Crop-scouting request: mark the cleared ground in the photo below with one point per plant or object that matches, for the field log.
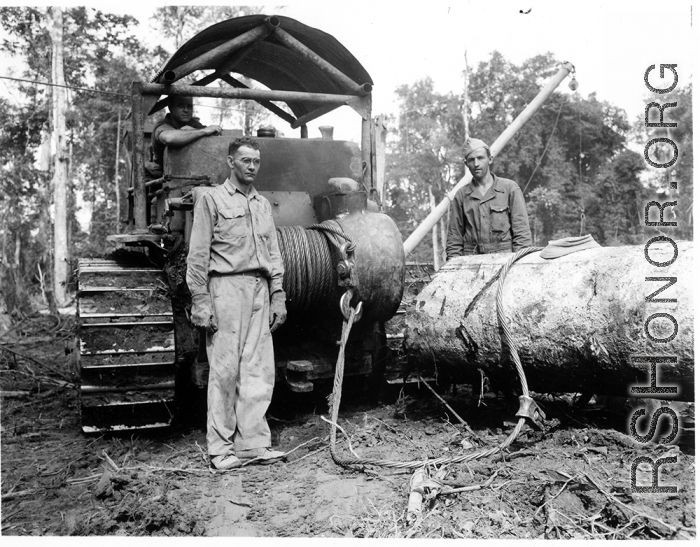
(570, 481)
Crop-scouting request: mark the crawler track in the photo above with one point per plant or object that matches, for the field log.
(127, 346)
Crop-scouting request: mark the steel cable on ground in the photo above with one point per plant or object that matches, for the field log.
(483, 453)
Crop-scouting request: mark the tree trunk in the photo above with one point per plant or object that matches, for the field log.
(577, 320)
(443, 239)
(54, 17)
(116, 173)
(465, 105)
(436, 246)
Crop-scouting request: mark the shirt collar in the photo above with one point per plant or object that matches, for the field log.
(232, 189)
(497, 185)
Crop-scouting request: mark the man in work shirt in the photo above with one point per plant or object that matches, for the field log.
(179, 128)
(488, 215)
(234, 272)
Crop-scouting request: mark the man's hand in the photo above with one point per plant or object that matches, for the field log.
(278, 310)
(201, 315)
(212, 130)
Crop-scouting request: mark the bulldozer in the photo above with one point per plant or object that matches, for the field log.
(139, 356)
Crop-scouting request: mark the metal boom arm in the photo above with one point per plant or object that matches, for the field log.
(436, 214)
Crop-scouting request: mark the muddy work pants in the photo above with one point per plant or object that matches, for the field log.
(241, 365)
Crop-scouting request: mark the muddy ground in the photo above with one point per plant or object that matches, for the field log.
(571, 480)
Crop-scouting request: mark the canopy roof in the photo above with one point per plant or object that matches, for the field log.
(269, 61)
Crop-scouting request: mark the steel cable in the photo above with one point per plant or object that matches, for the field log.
(308, 265)
(502, 316)
(328, 228)
(483, 453)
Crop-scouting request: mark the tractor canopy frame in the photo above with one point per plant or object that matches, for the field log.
(299, 65)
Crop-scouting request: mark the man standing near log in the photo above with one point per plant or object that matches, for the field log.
(489, 214)
(234, 272)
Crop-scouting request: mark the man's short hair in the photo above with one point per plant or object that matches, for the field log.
(236, 143)
(173, 98)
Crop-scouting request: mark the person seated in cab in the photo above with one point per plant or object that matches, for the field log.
(178, 128)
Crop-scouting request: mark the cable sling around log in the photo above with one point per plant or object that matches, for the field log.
(528, 409)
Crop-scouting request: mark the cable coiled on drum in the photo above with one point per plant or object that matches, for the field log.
(309, 276)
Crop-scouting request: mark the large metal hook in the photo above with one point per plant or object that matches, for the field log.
(345, 306)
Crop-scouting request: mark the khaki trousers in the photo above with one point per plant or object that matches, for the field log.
(241, 366)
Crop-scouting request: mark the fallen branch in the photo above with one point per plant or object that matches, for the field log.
(415, 498)
(551, 523)
(461, 421)
(33, 360)
(110, 462)
(307, 455)
(14, 394)
(471, 488)
(12, 495)
(675, 529)
(397, 431)
(519, 454)
(46, 394)
(81, 480)
(8, 331)
(551, 498)
(302, 444)
(153, 469)
(242, 503)
(205, 456)
(51, 392)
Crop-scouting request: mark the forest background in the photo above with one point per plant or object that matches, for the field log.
(577, 160)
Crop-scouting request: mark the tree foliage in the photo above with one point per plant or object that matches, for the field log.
(571, 159)
(100, 52)
(681, 171)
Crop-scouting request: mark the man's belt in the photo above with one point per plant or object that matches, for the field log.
(487, 248)
(252, 273)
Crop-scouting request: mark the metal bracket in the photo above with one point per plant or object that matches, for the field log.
(345, 306)
(346, 267)
(531, 411)
(362, 105)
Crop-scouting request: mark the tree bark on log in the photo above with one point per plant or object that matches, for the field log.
(578, 321)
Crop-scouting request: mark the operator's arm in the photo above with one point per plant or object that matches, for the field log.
(200, 246)
(455, 230)
(518, 220)
(186, 135)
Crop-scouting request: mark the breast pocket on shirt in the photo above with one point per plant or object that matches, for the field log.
(232, 223)
(500, 218)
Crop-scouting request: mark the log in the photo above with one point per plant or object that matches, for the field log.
(577, 321)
